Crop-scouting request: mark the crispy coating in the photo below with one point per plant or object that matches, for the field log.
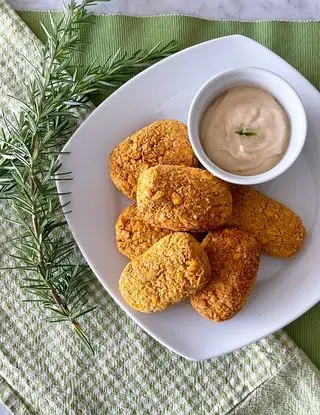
(234, 257)
(135, 236)
(162, 142)
(183, 198)
(170, 271)
(278, 229)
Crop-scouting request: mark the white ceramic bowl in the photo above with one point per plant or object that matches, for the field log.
(272, 83)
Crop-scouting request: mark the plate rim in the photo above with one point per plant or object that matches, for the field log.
(128, 311)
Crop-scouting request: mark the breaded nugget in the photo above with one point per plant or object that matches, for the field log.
(234, 257)
(170, 271)
(133, 235)
(183, 198)
(278, 230)
(162, 142)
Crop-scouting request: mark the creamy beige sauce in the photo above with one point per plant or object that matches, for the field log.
(251, 108)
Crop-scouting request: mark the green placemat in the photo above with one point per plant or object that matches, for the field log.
(44, 370)
(296, 42)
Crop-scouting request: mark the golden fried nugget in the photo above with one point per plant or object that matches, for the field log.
(278, 229)
(183, 198)
(133, 235)
(162, 142)
(234, 257)
(170, 271)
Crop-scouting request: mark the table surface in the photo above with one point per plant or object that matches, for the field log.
(219, 9)
(210, 9)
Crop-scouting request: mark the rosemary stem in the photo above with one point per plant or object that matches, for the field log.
(42, 263)
(29, 163)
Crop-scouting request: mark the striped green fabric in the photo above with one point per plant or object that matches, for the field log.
(44, 370)
(298, 43)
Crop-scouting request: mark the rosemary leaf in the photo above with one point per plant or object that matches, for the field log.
(29, 148)
(246, 132)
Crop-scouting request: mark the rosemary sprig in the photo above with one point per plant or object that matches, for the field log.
(245, 132)
(29, 149)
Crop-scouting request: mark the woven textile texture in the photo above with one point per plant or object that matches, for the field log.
(44, 369)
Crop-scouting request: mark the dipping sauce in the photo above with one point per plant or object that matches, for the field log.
(245, 131)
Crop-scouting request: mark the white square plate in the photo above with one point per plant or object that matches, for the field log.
(285, 288)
